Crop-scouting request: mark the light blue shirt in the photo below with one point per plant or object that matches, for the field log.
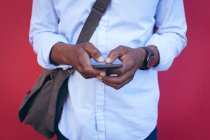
(94, 111)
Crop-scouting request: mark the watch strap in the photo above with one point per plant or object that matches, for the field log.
(149, 53)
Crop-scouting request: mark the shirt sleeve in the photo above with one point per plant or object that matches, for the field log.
(170, 37)
(44, 32)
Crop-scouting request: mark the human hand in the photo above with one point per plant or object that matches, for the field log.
(79, 57)
(132, 59)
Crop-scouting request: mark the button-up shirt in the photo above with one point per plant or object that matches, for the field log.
(93, 110)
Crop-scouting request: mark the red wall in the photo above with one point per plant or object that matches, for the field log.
(184, 109)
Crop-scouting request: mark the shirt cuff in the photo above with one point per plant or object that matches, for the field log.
(43, 55)
(168, 46)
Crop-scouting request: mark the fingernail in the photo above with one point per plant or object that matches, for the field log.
(108, 60)
(100, 59)
(102, 74)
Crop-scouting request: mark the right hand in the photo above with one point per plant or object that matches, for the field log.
(78, 56)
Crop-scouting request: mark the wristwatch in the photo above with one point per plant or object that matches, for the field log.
(148, 60)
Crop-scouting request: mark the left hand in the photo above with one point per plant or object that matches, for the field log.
(132, 59)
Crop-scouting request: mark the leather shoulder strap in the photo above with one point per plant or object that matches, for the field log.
(88, 29)
(93, 19)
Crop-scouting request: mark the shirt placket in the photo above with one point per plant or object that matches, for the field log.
(100, 92)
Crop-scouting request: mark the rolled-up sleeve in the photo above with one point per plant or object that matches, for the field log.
(44, 31)
(170, 37)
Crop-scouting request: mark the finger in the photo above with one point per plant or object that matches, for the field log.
(117, 80)
(93, 52)
(118, 86)
(89, 71)
(127, 66)
(114, 54)
(92, 76)
(86, 69)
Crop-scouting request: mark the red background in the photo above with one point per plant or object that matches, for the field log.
(184, 108)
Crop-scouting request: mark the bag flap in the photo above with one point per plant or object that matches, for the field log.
(28, 99)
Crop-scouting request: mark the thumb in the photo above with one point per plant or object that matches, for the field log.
(113, 55)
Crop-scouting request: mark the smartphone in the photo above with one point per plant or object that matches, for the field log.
(116, 64)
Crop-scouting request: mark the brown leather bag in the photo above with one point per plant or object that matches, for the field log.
(42, 106)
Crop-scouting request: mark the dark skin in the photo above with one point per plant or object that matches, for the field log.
(132, 59)
(79, 57)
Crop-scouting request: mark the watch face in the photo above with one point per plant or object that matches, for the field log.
(150, 62)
